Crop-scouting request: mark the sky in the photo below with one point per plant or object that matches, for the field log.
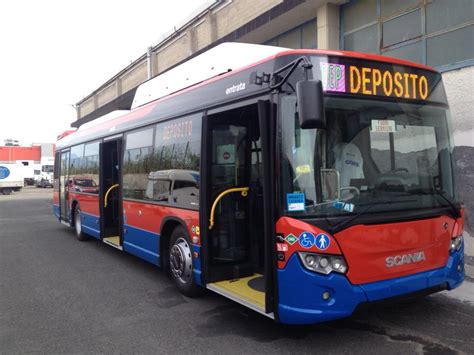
(53, 53)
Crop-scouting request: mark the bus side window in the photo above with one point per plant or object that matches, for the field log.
(177, 153)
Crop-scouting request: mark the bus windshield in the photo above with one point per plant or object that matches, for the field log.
(374, 154)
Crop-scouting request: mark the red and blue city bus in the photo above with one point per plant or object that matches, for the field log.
(299, 183)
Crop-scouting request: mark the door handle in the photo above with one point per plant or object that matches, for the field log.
(107, 193)
(243, 191)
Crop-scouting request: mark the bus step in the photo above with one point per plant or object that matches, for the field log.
(246, 291)
(113, 241)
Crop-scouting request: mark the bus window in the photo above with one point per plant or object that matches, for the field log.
(176, 158)
(76, 169)
(90, 163)
(137, 163)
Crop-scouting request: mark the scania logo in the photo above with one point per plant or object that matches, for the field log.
(398, 260)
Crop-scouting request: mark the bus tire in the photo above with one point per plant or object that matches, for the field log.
(7, 191)
(181, 263)
(78, 224)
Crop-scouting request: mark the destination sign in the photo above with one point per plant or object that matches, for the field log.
(377, 79)
(179, 129)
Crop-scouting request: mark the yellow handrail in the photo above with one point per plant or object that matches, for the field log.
(242, 190)
(107, 193)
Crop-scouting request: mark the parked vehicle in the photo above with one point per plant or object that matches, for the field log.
(301, 183)
(11, 178)
(45, 179)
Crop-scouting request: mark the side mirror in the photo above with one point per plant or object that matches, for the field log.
(309, 95)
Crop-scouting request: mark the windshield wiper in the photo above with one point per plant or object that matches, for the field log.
(345, 222)
(454, 208)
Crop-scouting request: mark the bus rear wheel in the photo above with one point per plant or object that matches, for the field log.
(181, 263)
(78, 224)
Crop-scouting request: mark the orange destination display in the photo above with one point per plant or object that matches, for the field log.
(377, 79)
(372, 81)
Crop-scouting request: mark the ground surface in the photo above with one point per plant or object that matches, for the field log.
(58, 295)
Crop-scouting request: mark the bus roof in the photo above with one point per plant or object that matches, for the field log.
(224, 58)
(180, 94)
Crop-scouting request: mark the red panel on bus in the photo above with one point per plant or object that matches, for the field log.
(294, 235)
(150, 216)
(89, 203)
(385, 251)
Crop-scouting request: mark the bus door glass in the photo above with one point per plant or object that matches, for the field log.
(63, 190)
(229, 170)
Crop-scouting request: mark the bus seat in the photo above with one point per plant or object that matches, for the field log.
(349, 163)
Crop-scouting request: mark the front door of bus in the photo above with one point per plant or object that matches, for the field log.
(234, 235)
(63, 187)
(110, 192)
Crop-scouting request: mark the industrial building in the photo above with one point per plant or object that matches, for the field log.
(12, 154)
(438, 33)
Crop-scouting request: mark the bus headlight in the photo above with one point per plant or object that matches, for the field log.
(456, 243)
(322, 263)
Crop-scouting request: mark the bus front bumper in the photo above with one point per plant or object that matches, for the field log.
(301, 291)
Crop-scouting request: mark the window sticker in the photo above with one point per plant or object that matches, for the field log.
(341, 205)
(225, 154)
(303, 169)
(384, 126)
(295, 201)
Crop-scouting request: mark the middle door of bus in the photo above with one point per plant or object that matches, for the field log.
(110, 191)
(234, 241)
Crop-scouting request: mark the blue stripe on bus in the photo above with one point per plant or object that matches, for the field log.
(56, 211)
(142, 243)
(91, 224)
(197, 264)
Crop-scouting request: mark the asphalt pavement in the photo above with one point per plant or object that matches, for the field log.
(59, 295)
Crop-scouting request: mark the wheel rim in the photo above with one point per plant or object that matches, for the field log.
(180, 261)
(77, 221)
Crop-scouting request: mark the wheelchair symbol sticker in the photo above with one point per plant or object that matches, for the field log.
(306, 240)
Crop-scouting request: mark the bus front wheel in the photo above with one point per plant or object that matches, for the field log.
(181, 263)
(78, 224)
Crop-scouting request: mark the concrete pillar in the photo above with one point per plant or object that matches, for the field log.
(119, 87)
(328, 26)
(211, 20)
(149, 62)
(192, 40)
(154, 62)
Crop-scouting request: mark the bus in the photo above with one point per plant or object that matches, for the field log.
(302, 184)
